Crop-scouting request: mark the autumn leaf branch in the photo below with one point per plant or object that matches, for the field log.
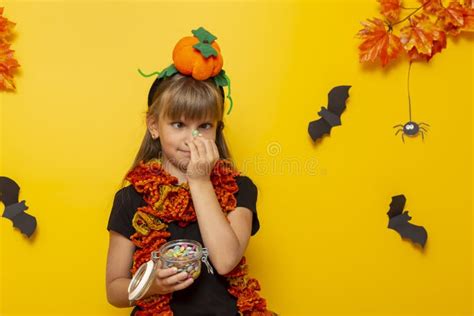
(423, 35)
(8, 64)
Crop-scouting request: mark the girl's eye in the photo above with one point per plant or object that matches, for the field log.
(206, 126)
(177, 124)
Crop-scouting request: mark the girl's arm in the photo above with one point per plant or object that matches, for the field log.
(118, 276)
(225, 237)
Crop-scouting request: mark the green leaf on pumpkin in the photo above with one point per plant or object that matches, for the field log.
(206, 50)
(204, 36)
(221, 79)
(168, 71)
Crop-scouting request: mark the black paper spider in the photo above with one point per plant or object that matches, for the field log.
(412, 129)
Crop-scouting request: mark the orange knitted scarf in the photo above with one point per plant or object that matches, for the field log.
(167, 201)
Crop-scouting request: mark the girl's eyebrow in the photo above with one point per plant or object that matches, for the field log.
(190, 122)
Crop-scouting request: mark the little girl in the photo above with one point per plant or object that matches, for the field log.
(183, 186)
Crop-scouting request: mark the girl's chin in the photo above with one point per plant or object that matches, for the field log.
(181, 163)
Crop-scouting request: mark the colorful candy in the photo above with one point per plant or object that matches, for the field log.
(185, 255)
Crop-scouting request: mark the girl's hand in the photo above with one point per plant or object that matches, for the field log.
(168, 281)
(204, 154)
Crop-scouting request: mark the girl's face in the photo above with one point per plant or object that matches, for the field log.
(174, 134)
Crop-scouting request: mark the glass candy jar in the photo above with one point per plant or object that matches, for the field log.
(182, 254)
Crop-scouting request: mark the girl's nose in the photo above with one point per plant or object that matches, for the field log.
(191, 135)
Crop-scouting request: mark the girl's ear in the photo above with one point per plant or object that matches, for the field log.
(152, 126)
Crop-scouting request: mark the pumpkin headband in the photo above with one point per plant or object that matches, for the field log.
(198, 56)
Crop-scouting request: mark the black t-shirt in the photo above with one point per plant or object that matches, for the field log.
(208, 294)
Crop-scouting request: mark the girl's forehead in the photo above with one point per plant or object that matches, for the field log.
(187, 120)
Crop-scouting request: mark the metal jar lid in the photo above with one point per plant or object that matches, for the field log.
(142, 279)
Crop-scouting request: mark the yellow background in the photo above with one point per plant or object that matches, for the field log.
(71, 130)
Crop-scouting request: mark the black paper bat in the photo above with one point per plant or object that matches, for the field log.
(399, 221)
(14, 210)
(331, 116)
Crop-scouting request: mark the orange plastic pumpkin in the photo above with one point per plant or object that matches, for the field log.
(189, 61)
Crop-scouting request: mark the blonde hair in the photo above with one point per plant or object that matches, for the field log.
(180, 97)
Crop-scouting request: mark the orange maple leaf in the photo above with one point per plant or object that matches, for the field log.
(378, 42)
(452, 17)
(8, 65)
(5, 27)
(468, 20)
(390, 9)
(432, 6)
(422, 39)
(468, 16)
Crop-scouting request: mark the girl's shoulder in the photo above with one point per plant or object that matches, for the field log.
(128, 196)
(246, 197)
(126, 202)
(244, 182)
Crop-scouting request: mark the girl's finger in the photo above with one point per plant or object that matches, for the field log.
(165, 273)
(183, 284)
(193, 149)
(176, 279)
(199, 141)
(210, 154)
